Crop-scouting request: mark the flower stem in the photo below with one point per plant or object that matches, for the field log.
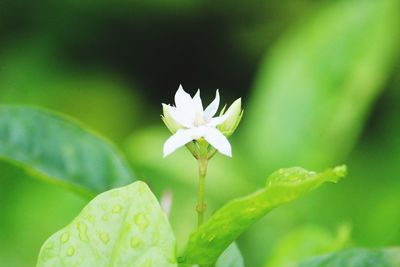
(201, 205)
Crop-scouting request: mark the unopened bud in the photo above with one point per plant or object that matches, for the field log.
(171, 124)
(235, 114)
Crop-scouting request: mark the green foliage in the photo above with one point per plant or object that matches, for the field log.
(33, 76)
(121, 227)
(55, 148)
(226, 224)
(313, 90)
(356, 257)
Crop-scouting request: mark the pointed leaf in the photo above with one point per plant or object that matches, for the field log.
(227, 224)
(121, 227)
(57, 149)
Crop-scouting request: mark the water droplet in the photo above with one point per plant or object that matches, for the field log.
(251, 209)
(105, 238)
(117, 209)
(82, 229)
(50, 245)
(141, 187)
(141, 221)
(91, 218)
(70, 251)
(64, 237)
(135, 242)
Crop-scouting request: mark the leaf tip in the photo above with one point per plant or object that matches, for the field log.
(339, 173)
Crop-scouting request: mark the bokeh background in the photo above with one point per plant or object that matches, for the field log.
(320, 84)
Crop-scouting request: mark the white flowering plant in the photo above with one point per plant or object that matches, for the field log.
(124, 224)
(208, 185)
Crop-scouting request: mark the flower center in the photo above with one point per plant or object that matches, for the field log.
(199, 119)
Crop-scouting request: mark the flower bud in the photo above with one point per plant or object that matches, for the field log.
(171, 124)
(234, 114)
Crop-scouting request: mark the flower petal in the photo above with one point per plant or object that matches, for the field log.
(218, 141)
(181, 117)
(184, 104)
(182, 99)
(198, 105)
(218, 120)
(181, 138)
(212, 108)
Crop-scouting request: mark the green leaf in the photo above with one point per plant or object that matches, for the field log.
(226, 225)
(315, 88)
(356, 257)
(57, 149)
(231, 257)
(121, 227)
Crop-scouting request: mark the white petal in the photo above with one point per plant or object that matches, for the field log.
(218, 120)
(181, 138)
(181, 117)
(212, 108)
(198, 105)
(182, 99)
(218, 141)
(184, 104)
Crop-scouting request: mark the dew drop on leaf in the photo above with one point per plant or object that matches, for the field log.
(117, 209)
(49, 246)
(105, 238)
(70, 251)
(135, 242)
(141, 221)
(64, 238)
(82, 229)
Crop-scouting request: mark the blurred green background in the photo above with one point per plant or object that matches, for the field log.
(320, 83)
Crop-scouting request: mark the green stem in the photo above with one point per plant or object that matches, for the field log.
(201, 205)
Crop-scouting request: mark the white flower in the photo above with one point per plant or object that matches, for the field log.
(189, 121)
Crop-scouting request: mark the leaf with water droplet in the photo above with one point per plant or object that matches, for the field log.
(138, 234)
(225, 226)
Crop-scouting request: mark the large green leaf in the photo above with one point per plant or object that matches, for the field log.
(121, 227)
(356, 257)
(226, 225)
(55, 148)
(313, 91)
